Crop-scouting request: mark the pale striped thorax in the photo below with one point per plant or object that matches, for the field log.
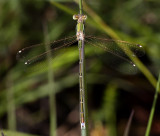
(80, 26)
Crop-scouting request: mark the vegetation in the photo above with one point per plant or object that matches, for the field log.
(28, 93)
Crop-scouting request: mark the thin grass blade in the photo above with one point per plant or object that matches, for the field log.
(153, 108)
(126, 133)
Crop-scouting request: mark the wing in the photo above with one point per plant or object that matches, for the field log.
(116, 47)
(38, 52)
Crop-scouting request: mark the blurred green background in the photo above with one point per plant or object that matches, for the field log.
(113, 91)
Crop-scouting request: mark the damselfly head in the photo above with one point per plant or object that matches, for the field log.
(79, 17)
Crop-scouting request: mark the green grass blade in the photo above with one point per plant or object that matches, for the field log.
(62, 7)
(51, 83)
(15, 133)
(109, 108)
(153, 107)
(11, 108)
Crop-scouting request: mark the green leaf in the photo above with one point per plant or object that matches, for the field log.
(14, 133)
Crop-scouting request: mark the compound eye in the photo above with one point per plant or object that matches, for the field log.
(84, 17)
(75, 17)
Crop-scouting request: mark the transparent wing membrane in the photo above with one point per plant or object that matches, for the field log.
(38, 52)
(116, 47)
(118, 51)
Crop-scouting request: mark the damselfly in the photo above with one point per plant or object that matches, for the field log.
(118, 48)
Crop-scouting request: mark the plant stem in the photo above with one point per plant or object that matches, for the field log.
(80, 7)
(51, 86)
(153, 108)
(11, 104)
